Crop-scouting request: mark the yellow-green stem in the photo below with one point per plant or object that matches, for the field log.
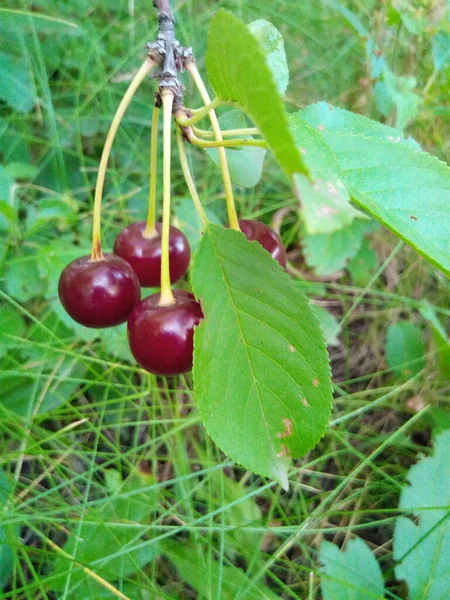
(231, 209)
(198, 114)
(150, 230)
(227, 132)
(196, 141)
(125, 102)
(188, 177)
(166, 297)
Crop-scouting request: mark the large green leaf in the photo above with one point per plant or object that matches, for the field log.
(407, 190)
(238, 71)
(261, 372)
(352, 574)
(272, 44)
(405, 349)
(423, 549)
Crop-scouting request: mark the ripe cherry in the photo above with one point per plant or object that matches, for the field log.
(269, 239)
(99, 293)
(144, 253)
(161, 338)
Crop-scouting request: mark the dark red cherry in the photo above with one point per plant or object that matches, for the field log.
(99, 293)
(144, 254)
(161, 338)
(269, 239)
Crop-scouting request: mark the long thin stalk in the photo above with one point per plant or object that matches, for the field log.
(146, 67)
(227, 132)
(166, 297)
(150, 230)
(188, 177)
(196, 141)
(231, 209)
(198, 114)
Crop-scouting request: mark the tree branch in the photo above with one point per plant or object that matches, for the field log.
(169, 53)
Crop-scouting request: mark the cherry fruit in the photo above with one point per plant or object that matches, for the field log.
(144, 253)
(99, 293)
(269, 239)
(161, 338)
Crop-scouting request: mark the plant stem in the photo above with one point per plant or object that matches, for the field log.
(199, 113)
(135, 83)
(188, 177)
(231, 209)
(166, 297)
(196, 141)
(150, 230)
(227, 132)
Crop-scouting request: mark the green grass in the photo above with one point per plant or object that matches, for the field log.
(106, 419)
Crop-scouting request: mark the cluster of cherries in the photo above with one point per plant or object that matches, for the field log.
(105, 292)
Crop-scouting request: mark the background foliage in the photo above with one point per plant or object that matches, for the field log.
(94, 449)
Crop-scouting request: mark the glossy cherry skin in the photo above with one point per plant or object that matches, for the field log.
(144, 254)
(161, 338)
(100, 293)
(269, 239)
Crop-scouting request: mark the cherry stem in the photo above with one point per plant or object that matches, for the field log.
(150, 230)
(166, 297)
(189, 179)
(146, 67)
(199, 113)
(196, 141)
(227, 132)
(231, 209)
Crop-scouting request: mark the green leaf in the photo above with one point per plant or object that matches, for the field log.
(22, 278)
(234, 59)
(108, 532)
(329, 323)
(245, 163)
(16, 85)
(206, 576)
(241, 512)
(395, 92)
(325, 206)
(11, 323)
(352, 574)
(8, 535)
(187, 219)
(329, 253)
(271, 42)
(363, 265)
(422, 549)
(325, 203)
(6, 184)
(261, 372)
(441, 50)
(407, 190)
(405, 349)
(441, 340)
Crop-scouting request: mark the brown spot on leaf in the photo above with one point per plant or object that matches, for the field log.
(287, 429)
(305, 403)
(303, 151)
(315, 382)
(284, 451)
(413, 218)
(291, 348)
